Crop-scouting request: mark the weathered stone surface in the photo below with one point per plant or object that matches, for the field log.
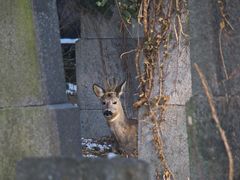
(93, 124)
(30, 55)
(97, 25)
(177, 86)
(174, 136)
(98, 60)
(37, 131)
(205, 49)
(208, 158)
(85, 169)
(177, 79)
(34, 119)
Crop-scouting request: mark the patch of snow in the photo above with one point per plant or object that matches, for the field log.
(89, 144)
(69, 40)
(71, 89)
(111, 155)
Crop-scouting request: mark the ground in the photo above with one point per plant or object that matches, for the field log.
(101, 147)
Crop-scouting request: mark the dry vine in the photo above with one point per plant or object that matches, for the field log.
(160, 18)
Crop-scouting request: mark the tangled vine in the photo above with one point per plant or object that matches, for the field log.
(160, 19)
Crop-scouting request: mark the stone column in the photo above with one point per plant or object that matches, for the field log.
(35, 119)
(98, 58)
(177, 85)
(208, 156)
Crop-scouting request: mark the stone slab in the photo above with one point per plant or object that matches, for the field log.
(174, 136)
(37, 131)
(205, 50)
(177, 74)
(99, 59)
(97, 25)
(208, 158)
(93, 124)
(85, 169)
(30, 59)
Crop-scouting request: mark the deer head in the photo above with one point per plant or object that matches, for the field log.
(110, 99)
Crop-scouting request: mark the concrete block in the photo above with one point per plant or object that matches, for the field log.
(174, 136)
(85, 169)
(97, 25)
(208, 156)
(98, 60)
(93, 124)
(37, 131)
(30, 54)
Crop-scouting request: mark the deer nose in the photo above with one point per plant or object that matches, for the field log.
(107, 113)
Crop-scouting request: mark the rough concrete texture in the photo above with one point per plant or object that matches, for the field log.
(177, 85)
(208, 157)
(174, 136)
(85, 169)
(204, 41)
(97, 60)
(32, 84)
(93, 124)
(30, 46)
(37, 131)
(97, 25)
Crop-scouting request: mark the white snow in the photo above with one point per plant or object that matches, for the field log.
(71, 89)
(92, 145)
(111, 155)
(69, 40)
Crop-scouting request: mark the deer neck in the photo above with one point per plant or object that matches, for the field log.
(119, 118)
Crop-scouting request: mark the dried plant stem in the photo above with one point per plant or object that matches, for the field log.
(217, 122)
(221, 53)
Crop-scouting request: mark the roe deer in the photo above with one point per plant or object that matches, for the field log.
(124, 130)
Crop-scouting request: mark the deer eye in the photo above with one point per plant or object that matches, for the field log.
(115, 102)
(103, 103)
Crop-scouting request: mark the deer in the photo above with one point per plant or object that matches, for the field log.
(123, 129)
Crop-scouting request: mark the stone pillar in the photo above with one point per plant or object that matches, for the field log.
(98, 58)
(177, 85)
(35, 119)
(84, 169)
(208, 156)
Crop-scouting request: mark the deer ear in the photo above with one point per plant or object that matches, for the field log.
(99, 92)
(120, 89)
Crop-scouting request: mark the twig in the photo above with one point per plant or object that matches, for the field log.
(123, 54)
(221, 52)
(217, 122)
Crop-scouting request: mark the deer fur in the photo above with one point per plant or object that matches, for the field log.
(124, 130)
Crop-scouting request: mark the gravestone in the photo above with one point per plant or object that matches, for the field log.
(97, 59)
(208, 158)
(177, 85)
(84, 169)
(34, 116)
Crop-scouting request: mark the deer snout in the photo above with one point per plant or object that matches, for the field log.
(107, 113)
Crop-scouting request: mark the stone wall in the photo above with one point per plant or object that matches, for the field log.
(34, 116)
(208, 158)
(98, 58)
(84, 169)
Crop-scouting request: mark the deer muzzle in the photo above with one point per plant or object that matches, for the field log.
(107, 113)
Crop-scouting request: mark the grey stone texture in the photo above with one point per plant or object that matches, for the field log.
(208, 158)
(98, 60)
(177, 85)
(174, 136)
(85, 169)
(97, 25)
(31, 63)
(35, 119)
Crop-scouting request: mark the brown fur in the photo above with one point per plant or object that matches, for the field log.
(123, 129)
